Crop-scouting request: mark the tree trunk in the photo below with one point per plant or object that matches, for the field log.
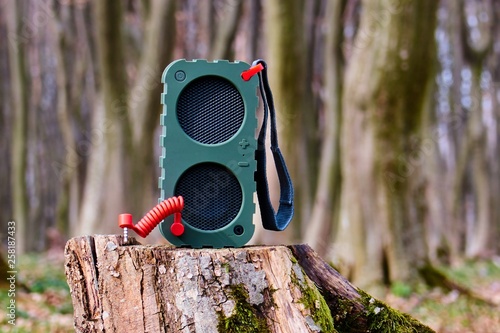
(104, 168)
(5, 129)
(122, 158)
(284, 21)
(478, 229)
(134, 288)
(381, 234)
(226, 31)
(67, 172)
(327, 196)
(145, 109)
(19, 153)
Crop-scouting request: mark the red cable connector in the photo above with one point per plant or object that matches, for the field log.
(247, 75)
(165, 208)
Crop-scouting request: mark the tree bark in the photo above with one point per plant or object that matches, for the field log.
(135, 288)
(19, 153)
(122, 158)
(226, 31)
(67, 173)
(327, 196)
(5, 128)
(381, 232)
(110, 117)
(144, 107)
(284, 24)
(478, 230)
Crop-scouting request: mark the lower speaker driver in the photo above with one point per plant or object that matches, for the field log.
(212, 195)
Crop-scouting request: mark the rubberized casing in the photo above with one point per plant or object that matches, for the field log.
(208, 151)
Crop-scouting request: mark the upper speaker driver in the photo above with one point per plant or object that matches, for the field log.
(210, 110)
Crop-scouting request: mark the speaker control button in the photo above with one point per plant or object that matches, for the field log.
(243, 164)
(180, 75)
(244, 143)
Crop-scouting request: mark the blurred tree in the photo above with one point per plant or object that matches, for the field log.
(5, 128)
(327, 197)
(209, 28)
(494, 64)
(473, 149)
(287, 65)
(380, 235)
(19, 150)
(221, 46)
(120, 172)
(453, 224)
(68, 27)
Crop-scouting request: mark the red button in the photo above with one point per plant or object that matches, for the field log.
(177, 229)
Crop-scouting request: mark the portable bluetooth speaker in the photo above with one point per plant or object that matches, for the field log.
(208, 140)
(211, 162)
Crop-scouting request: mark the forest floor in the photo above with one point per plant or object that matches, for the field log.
(44, 301)
(453, 312)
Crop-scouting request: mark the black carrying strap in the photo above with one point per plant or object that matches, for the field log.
(271, 220)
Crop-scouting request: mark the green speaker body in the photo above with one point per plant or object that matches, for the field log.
(208, 151)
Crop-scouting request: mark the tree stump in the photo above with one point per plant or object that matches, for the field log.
(138, 288)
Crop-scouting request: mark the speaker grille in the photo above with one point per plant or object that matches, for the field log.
(212, 196)
(210, 110)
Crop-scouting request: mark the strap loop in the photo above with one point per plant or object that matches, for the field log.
(270, 219)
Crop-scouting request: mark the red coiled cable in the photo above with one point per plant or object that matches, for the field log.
(173, 205)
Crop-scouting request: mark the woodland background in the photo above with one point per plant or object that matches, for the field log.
(389, 116)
